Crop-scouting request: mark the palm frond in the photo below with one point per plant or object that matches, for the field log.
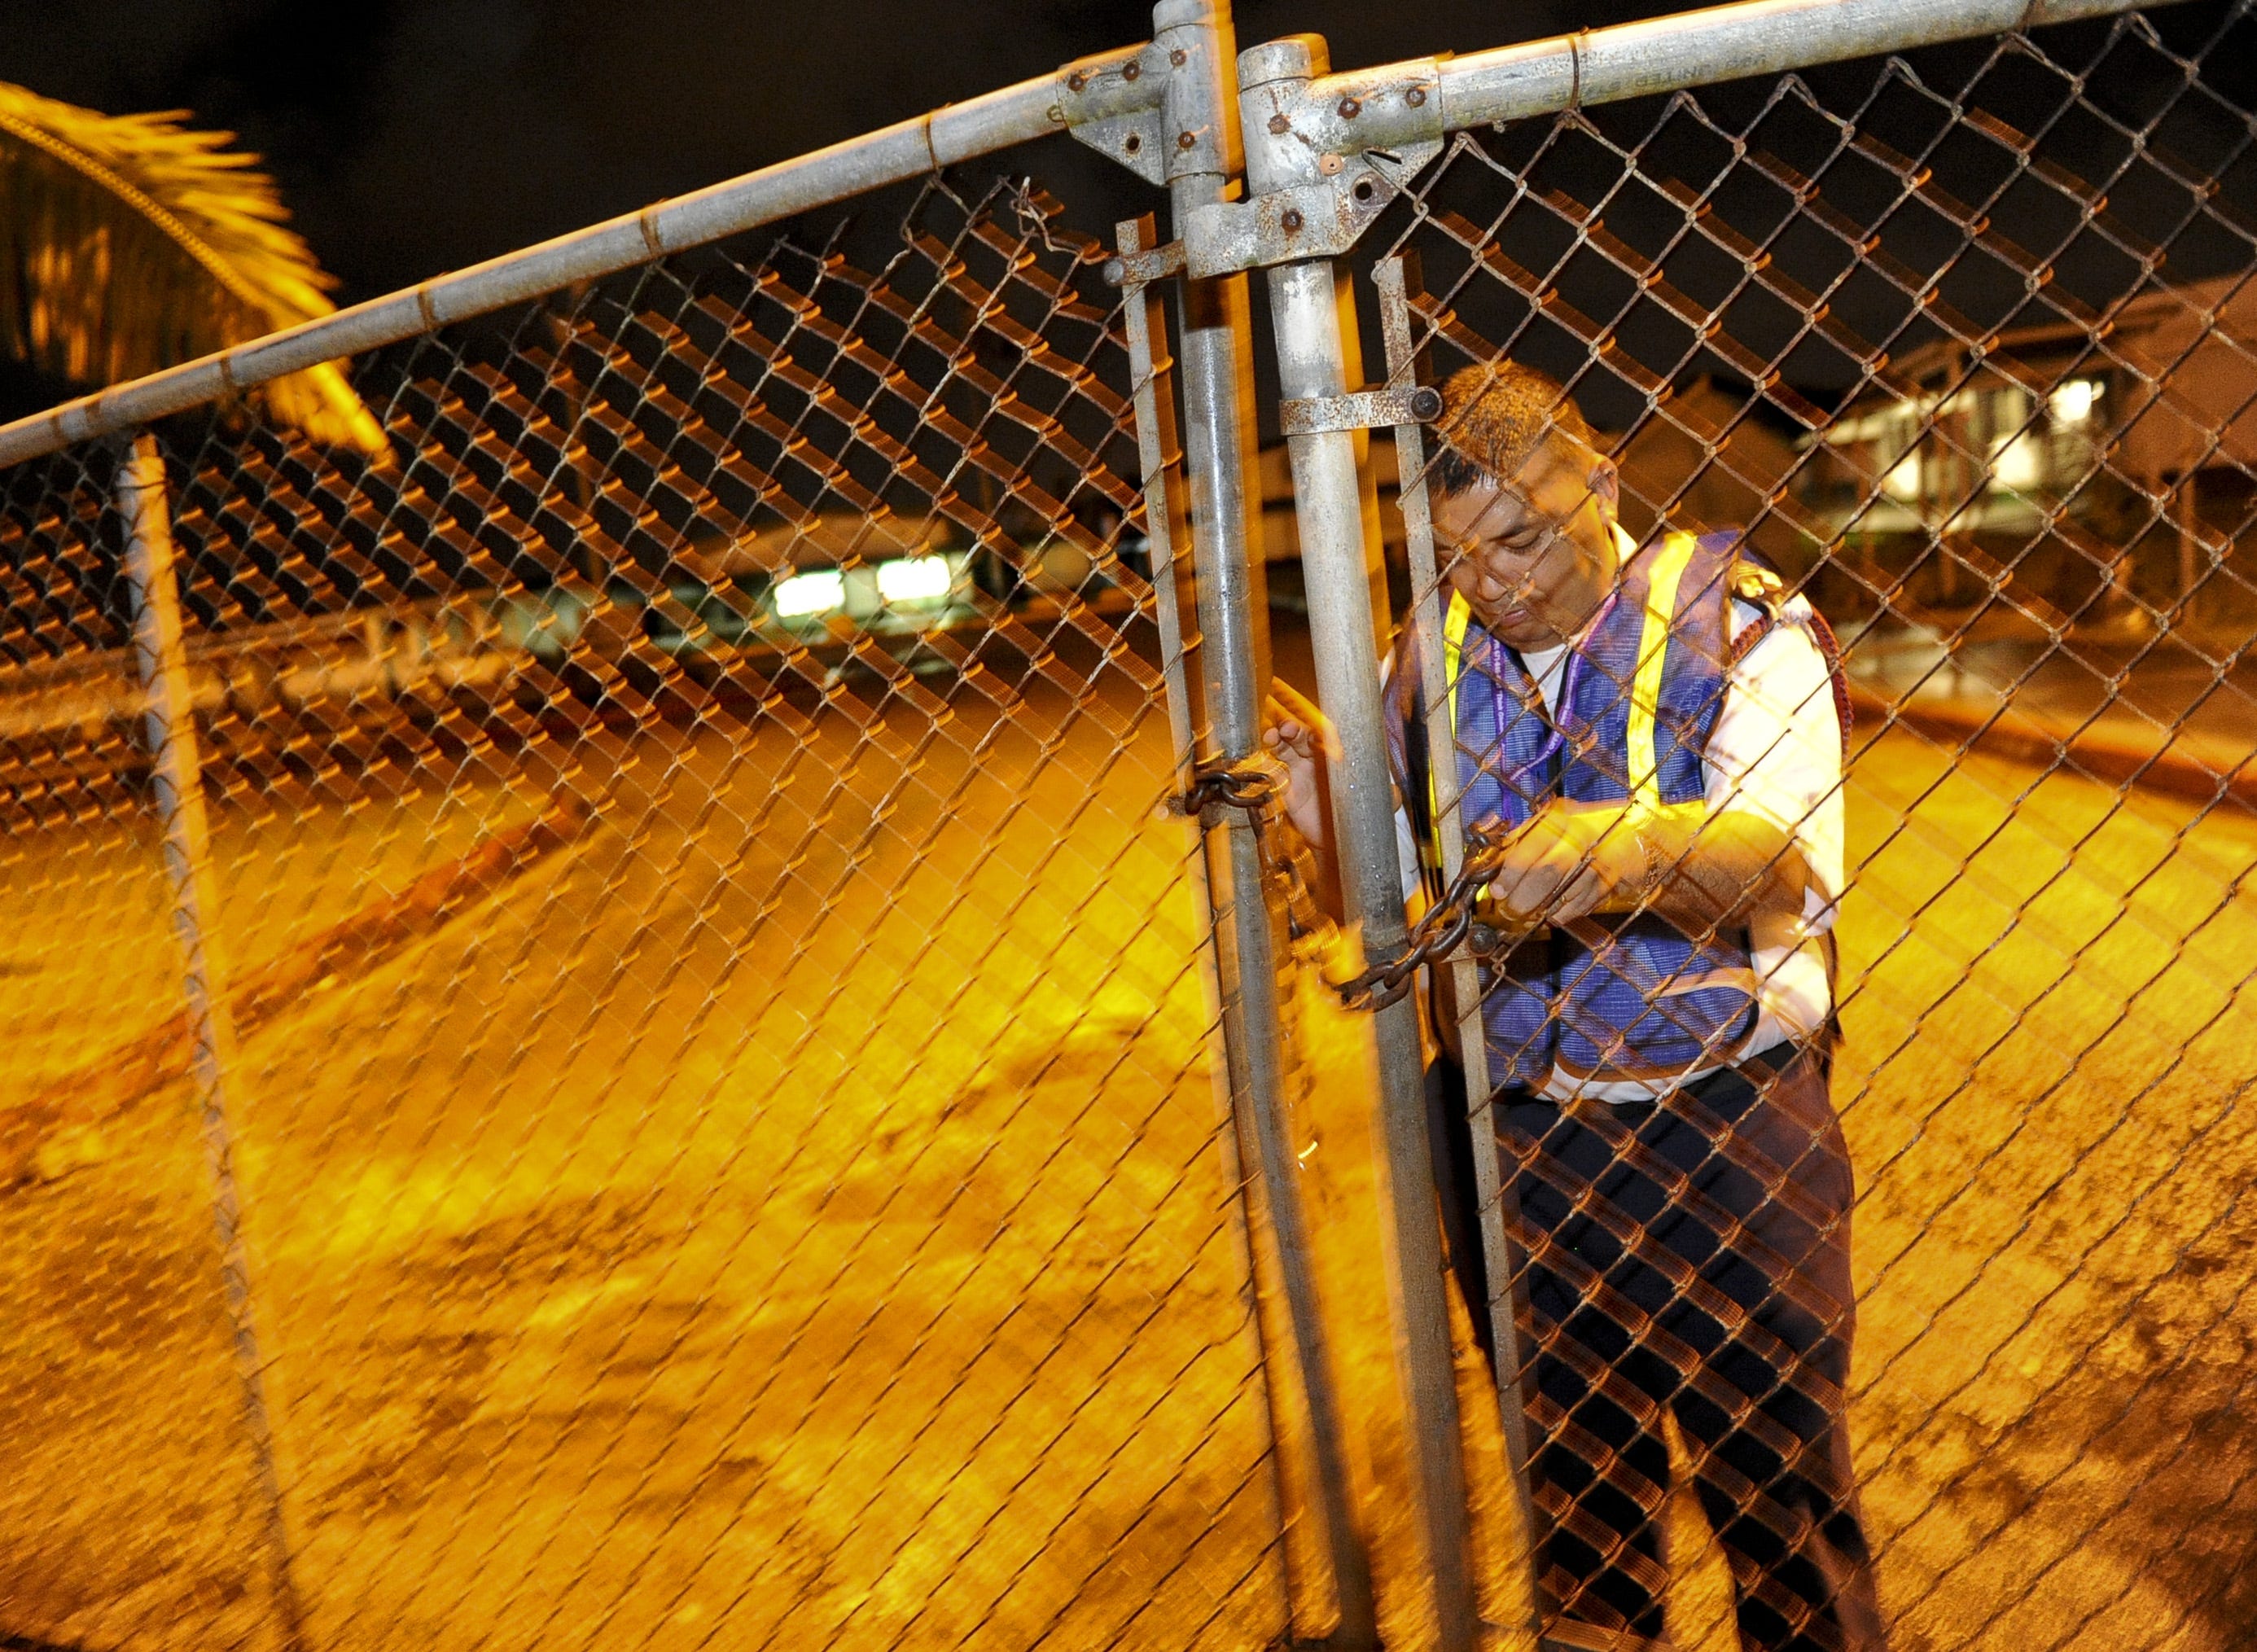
(129, 243)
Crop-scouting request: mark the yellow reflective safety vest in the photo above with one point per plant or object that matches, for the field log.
(1601, 999)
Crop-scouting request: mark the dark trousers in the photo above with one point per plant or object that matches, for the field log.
(1688, 1259)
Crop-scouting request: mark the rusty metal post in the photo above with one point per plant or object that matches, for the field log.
(1394, 278)
(177, 785)
(1246, 1059)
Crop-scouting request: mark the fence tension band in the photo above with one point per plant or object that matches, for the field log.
(1359, 410)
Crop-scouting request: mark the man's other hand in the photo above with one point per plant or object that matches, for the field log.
(1694, 868)
(1296, 734)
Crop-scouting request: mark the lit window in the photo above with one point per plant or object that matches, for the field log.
(805, 594)
(1903, 479)
(2072, 401)
(914, 579)
(2020, 464)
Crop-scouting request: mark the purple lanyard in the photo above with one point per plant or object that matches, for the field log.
(1570, 678)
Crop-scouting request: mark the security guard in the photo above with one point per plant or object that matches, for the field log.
(1660, 730)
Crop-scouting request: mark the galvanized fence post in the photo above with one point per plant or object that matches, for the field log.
(1507, 1281)
(1311, 364)
(1216, 344)
(177, 790)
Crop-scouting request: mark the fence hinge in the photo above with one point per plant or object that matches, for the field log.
(1320, 220)
(1359, 410)
(1112, 102)
(1141, 268)
(1117, 104)
(1353, 143)
(1148, 109)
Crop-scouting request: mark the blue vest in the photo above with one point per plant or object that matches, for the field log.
(1602, 997)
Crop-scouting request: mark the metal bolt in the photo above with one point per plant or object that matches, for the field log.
(1349, 109)
(1291, 222)
(1132, 71)
(1416, 97)
(1279, 125)
(1076, 81)
(1185, 140)
(1426, 402)
(1115, 271)
(1179, 57)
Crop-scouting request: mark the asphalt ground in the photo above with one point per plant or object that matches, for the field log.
(792, 1214)
(2194, 686)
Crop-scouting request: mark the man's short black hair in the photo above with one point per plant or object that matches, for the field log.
(1495, 415)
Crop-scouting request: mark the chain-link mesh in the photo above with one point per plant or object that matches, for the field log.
(722, 1098)
(717, 1073)
(1963, 347)
(118, 1330)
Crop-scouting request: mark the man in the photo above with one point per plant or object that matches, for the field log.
(1659, 731)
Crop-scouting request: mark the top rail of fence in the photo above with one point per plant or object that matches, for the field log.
(1515, 82)
(1692, 48)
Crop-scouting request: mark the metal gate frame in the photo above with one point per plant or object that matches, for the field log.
(1326, 154)
(1322, 155)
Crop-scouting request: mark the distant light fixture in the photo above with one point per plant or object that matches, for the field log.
(2072, 402)
(1903, 480)
(2020, 464)
(805, 594)
(916, 579)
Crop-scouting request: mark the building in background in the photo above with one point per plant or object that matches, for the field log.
(1709, 457)
(2074, 470)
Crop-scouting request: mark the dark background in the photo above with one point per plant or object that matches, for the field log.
(411, 136)
(414, 136)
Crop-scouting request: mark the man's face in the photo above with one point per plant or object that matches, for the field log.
(1535, 557)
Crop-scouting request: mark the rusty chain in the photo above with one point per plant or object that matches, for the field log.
(1441, 928)
(1251, 785)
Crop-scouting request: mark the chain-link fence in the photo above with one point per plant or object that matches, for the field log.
(649, 922)
(721, 1098)
(1960, 347)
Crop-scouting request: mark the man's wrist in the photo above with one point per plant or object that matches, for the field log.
(1630, 861)
(1649, 841)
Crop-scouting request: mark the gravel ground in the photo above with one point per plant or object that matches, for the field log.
(638, 1264)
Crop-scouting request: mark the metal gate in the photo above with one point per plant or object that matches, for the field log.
(683, 1010)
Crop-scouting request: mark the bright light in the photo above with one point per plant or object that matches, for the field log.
(914, 579)
(2020, 464)
(2072, 402)
(805, 594)
(1903, 479)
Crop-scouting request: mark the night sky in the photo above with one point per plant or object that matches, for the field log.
(411, 136)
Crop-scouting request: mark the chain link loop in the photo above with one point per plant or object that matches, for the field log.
(1441, 928)
(1252, 784)
(1256, 786)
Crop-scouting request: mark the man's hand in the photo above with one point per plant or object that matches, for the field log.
(1697, 868)
(1298, 735)
(1569, 860)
